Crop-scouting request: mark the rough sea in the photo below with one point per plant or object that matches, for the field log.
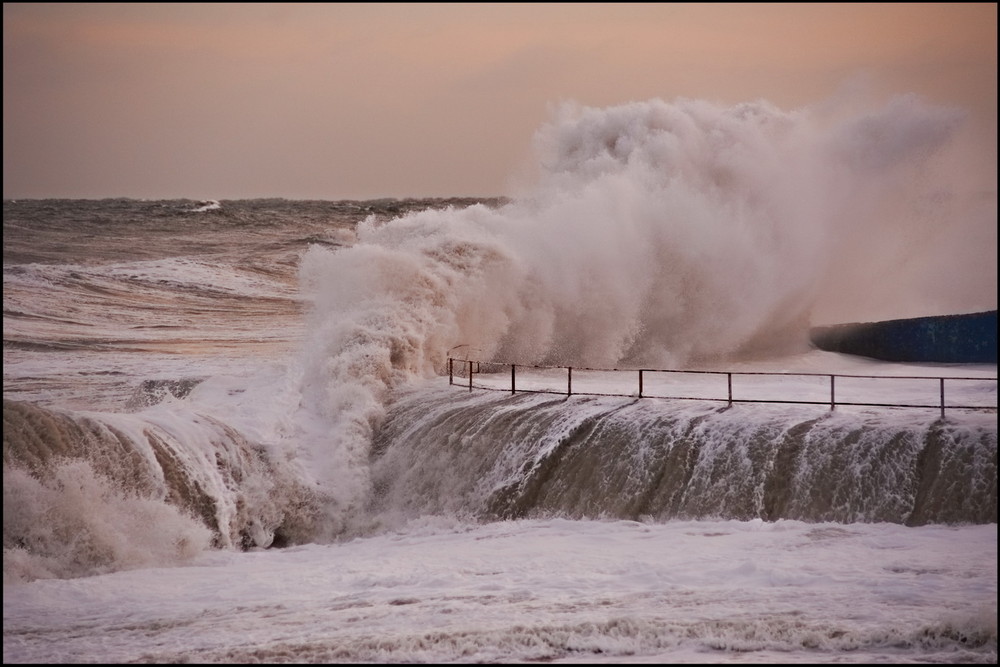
(230, 435)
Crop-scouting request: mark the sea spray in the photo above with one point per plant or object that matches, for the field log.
(384, 314)
(660, 233)
(664, 234)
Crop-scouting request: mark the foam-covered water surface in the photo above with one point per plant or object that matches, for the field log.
(555, 590)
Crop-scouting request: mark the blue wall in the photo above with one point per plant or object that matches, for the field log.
(963, 339)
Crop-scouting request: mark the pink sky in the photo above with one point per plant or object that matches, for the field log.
(333, 101)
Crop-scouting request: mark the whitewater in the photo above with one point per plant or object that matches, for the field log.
(230, 432)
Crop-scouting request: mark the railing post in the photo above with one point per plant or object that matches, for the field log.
(512, 373)
(470, 375)
(569, 380)
(942, 397)
(833, 401)
(729, 381)
(640, 383)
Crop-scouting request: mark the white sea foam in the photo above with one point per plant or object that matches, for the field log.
(556, 591)
(207, 205)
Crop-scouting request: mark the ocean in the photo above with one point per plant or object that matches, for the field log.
(231, 435)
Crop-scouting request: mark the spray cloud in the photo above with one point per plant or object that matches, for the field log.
(655, 234)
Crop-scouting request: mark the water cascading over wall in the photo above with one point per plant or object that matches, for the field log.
(87, 493)
(532, 456)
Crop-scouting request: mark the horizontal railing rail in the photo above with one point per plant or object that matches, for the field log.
(468, 368)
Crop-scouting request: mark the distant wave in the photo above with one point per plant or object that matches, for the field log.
(207, 205)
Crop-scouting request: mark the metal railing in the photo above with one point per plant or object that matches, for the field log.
(467, 368)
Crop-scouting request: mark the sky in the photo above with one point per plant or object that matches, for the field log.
(369, 100)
